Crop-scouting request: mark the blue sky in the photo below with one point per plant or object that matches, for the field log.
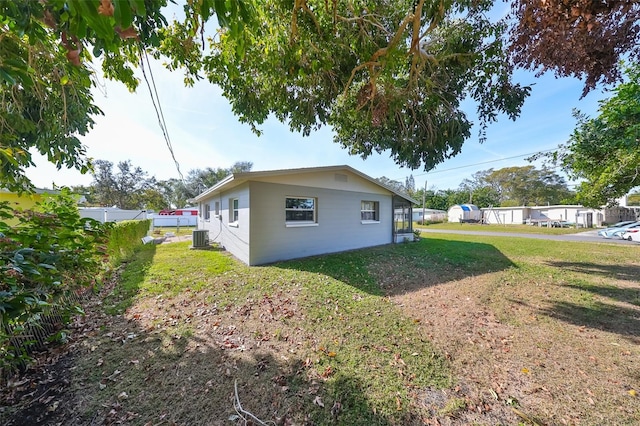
(205, 133)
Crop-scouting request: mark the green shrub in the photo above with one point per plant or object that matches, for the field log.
(48, 258)
(124, 237)
(50, 254)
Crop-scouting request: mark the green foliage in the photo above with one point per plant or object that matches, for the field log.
(49, 253)
(517, 186)
(604, 151)
(387, 76)
(124, 237)
(128, 188)
(46, 73)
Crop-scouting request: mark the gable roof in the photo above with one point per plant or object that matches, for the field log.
(236, 179)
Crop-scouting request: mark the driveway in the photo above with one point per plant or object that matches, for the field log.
(588, 236)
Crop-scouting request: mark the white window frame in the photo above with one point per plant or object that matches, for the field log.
(364, 211)
(206, 214)
(234, 211)
(216, 209)
(299, 223)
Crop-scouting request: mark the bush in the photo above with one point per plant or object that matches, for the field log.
(49, 257)
(49, 254)
(124, 237)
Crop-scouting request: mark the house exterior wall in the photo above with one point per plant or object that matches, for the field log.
(20, 202)
(233, 237)
(338, 228)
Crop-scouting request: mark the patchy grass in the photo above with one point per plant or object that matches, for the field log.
(554, 337)
(455, 329)
(522, 229)
(308, 341)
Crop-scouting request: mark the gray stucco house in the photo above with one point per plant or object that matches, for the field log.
(263, 217)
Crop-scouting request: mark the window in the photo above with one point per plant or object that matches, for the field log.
(206, 211)
(369, 211)
(216, 209)
(233, 210)
(300, 210)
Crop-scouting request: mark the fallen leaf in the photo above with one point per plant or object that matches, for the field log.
(331, 354)
(318, 401)
(526, 371)
(632, 392)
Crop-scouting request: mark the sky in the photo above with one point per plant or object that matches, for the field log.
(205, 133)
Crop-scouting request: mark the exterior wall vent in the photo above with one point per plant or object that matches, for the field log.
(200, 238)
(340, 177)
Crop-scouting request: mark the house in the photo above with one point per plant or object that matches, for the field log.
(24, 201)
(268, 216)
(464, 213)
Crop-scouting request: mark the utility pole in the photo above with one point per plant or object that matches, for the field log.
(424, 194)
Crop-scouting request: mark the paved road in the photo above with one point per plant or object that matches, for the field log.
(588, 236)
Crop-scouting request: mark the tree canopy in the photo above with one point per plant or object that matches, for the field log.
(604, 151)
(580, 38)
(517, 186)
(386, 75)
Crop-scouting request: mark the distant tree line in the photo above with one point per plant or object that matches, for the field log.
(509, 186)
(129, 187)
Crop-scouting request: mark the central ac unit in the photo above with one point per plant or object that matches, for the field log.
(200, 238)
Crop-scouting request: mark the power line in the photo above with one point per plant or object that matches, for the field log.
(155, 100)
(483, 162)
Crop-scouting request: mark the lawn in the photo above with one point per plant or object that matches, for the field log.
(521, 229)
(454, 329)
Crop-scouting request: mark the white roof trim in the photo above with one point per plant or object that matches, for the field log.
(238, 178)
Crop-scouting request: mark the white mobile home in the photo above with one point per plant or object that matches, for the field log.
(464, 213)
(263, 217)
(545, 215)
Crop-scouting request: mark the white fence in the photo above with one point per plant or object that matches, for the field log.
(175, 221)
(104, 215)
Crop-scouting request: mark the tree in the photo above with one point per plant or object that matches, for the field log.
(581, 38)
(387, 76)
(483, 192)
(125, 188)
(604, 151)
(516, 186)
(45, 101)
(46, 72)
(410, 186)
(394, 184)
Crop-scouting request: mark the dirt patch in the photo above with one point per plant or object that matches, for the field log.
(517, 363)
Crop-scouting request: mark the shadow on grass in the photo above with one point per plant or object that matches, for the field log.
(130, 276)
(619, 272)
(610, 318)
(399, 268)
(137, 375)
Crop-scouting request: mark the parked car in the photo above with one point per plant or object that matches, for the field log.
(609, 232)
(632, 234)
(633, 226)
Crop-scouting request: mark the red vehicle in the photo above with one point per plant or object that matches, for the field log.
(179, 212)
